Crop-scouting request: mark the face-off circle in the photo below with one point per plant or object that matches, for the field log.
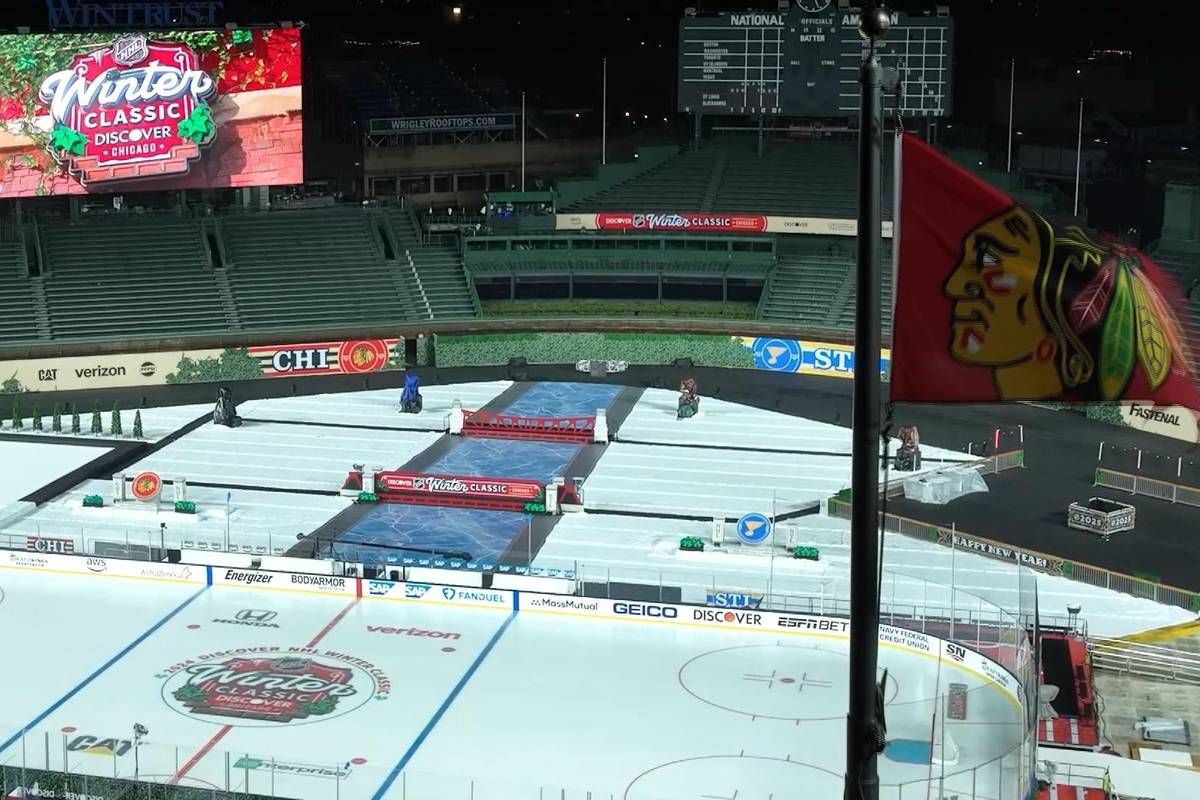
(271, 689)
(794, 683)
(733, 776)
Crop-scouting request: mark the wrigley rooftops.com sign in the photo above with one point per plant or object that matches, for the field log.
(129, 15)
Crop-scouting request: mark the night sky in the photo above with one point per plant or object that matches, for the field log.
(552, 48)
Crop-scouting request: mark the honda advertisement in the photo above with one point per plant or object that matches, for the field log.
(99, 112)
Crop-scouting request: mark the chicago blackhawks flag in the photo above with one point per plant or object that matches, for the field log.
(994, 303)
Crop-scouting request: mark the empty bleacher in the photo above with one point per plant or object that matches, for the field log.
(679, 184)
(409, 82)
(790, 178)
(322, 268)
(1184, 267)
(17, 311)
(128, 276)
(435, 270)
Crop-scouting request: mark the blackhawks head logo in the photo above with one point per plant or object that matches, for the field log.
(1054, 312)
(283, 689)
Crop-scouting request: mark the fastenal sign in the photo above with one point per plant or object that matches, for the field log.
(133, 109)
(1174, 421)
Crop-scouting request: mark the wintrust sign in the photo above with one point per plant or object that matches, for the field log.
(133, 109)
(131, 14)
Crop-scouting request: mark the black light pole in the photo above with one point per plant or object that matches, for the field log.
(864, 734)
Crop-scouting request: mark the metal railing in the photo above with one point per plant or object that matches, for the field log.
(1144, 660)
(1043, 562)
(1147, 487)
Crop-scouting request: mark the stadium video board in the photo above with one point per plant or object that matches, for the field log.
(804, 62)
(94, 113)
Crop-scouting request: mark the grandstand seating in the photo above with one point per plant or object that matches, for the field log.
(679, 184)
(409, 82)
(18, 317)
(311, 268)
(128, 275)
(792, 178)
(435, 271)
(1184, 267)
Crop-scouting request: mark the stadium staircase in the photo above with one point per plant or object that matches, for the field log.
(436, 271)
(19, 310)
(808, 289)
(128, 276)
(1184, 267)
(310, 268)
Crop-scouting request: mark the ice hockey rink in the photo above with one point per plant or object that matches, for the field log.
(415, 691)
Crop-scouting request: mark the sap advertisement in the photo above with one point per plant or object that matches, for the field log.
(97, 112)
(808, 358)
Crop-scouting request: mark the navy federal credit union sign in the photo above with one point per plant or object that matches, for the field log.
(133, 14)
(808, 358)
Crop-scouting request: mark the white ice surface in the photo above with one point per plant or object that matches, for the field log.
(58, 629)
(510, 703)
(156, 422)
(653, 420)
(378, 408)
(715, 482)
(919, 574)
(26, 466)
(260, 521)
(286, 456)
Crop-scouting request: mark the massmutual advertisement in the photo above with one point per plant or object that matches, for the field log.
(808, 358)
(102, 112)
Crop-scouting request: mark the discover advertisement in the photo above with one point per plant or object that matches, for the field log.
(102, 112)
(199, 366)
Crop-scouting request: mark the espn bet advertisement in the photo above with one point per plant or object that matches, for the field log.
(102, 112)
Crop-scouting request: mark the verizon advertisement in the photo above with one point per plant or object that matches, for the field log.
(353, 356)
(95, 112)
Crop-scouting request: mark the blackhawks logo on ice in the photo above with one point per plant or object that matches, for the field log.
(271, 688)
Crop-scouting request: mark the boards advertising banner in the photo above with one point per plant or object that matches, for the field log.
(149, 110)
(995, 303)
(73, 373)
(711, 223)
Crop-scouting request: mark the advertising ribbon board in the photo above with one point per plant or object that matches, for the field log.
(459, 486)
(104, 371)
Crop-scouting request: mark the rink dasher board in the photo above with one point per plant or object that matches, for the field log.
(514, 601)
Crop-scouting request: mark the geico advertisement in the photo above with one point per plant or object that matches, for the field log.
(199, 366)
(97, 111)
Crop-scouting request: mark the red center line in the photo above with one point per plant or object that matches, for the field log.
(224, 729)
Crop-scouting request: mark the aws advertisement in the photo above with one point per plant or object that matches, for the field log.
(100, 112)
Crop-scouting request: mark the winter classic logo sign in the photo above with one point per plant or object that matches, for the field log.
(130, 110)
(266, 686)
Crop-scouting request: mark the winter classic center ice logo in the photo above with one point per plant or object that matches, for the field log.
(131, 110)
(270, 688)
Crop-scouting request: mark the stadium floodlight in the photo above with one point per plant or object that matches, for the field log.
(456, 11)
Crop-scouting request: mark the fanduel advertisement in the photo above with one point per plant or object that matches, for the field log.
(96, 113)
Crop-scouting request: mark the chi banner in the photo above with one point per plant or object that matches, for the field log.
(994, 303)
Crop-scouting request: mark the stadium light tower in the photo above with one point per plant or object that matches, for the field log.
(864, 729)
